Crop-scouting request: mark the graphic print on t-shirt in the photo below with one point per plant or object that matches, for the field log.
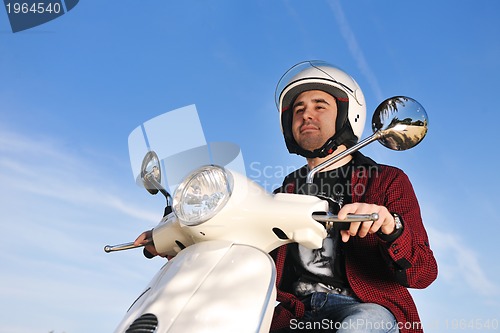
(322, 269)
(318, 262)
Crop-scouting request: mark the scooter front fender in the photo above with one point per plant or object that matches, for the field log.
(214, 286)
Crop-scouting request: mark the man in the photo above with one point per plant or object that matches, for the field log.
(358, 280)
(362, 285)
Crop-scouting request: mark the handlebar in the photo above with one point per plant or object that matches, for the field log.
(327, 217)
(330, 218)
(125, 246)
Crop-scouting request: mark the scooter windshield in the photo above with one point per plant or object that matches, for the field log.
(178, 139)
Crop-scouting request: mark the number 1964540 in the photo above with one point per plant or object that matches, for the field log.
(34, 8)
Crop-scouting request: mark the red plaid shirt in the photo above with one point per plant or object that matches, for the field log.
(378, 272)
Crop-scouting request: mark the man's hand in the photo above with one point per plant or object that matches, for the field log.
(143, 239)
(385, 220)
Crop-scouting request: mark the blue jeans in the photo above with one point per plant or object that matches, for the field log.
(341, 313)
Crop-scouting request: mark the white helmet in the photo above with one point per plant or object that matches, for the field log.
(319, 75)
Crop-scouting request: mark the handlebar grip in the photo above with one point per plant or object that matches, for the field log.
(330, 218)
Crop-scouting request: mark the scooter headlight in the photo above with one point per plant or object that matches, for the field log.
(202, 194)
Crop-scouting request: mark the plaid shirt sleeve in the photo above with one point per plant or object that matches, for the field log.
(409, 256)
(380, 272)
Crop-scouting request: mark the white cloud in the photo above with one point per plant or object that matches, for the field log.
(58, 209)
(44, 168)
(355, 48)
(459, 264)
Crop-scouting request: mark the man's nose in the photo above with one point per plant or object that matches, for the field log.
(308, 112)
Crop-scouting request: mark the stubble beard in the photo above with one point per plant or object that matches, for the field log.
(311, 142)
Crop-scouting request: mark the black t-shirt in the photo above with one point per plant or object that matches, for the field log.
(313, 270)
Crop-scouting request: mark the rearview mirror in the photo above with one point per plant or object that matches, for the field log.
(401, 121)
(151, 172)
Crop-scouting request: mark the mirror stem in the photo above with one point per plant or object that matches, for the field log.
(167, 196)
(159, 187)
(310, 175)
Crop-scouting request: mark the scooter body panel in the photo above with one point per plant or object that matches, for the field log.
(214, 286)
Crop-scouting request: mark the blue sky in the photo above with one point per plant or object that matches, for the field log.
(73, 89)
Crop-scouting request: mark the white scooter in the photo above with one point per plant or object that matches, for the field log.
(220, 226)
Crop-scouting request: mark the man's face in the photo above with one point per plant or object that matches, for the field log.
(314, 116)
